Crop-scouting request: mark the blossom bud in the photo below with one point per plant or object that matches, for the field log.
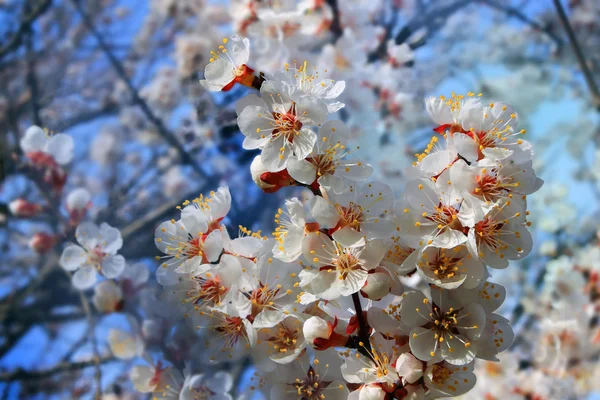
(320, 334)
(23, 208)
(78, 202)
(108, 297)
(269, 182)
(409, 368)
(41, 242)
(377, 286)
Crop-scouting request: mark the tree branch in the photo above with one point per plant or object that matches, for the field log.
(418, 22)
(120, 70)
(516, 13)
(26, 22)
(587, 73)
(23, 375)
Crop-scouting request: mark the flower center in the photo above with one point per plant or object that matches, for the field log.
(351, 216)
(285, 339)
(346, 263)
(444, 266)
(287, 124)
(262, 298)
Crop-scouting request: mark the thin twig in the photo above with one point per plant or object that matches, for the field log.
(92, 334)
(363, 327)
(120, 70)
(587, 73)
(515, 12)
(23, 375)
(28, 19)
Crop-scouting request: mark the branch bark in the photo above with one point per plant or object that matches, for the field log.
(27, 20)
(120, 70)
(22, 375)
(587, 73)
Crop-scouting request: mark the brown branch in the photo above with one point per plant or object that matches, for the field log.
(587, 73)
(23, 375)
(120, 70)
(336, 25)
(92, 334)
(28, 19)
(516, 13)
(85, 116)
(418, 22)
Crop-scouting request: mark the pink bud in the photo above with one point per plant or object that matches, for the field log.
(23, 208)
(41, 242)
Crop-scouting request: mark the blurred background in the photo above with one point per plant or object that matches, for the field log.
(121, 77)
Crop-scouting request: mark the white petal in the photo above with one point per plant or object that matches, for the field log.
(113, 266)
(85, 277)
(87, 234)
(111, 240)
(34, 140)
(60, 146)
(272, 157)
(213, 246)
(219, 73)
(304, 143)
(347, 236)
(324, 212)
(302, 171)
(422, 342)
(73, 257)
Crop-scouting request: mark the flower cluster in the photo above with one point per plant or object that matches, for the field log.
(324, 299)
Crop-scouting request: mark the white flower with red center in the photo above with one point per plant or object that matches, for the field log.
(305, 84)
(439, 156)
(278, 125)
(108, 297)
(492, 127)
(326, 165)
(378, 369)
(442, 330)
(447, 380)
(155, 378)
(196, 240)
(432, 217)
(228, 65)
(489, 180)
(361, 212)
(212, 289)
(229, 333)
(305, 380)
(47, 150)
(501, 235)
(280, 344)
(338, 270)
(97, 253)
(267, 291)
(448, 113)
(448, 268)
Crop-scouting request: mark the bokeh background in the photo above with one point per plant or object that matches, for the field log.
(121, 77)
